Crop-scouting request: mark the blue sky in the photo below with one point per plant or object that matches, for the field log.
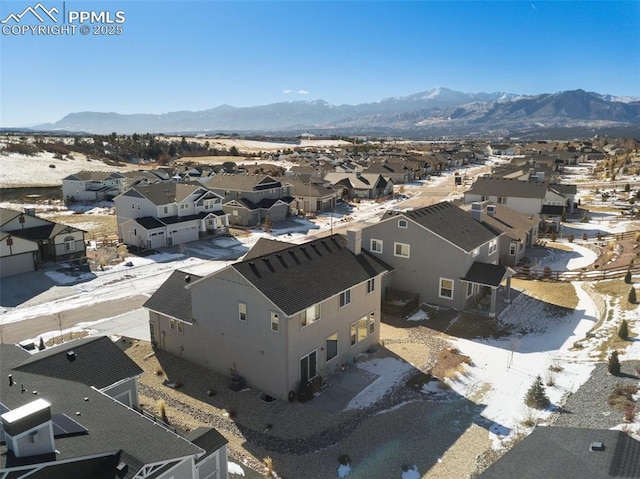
(195, 55)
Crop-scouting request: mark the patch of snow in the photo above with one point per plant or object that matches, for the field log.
(411, 473)
(391, 371)
(418, 316)
(234, 468)
(344, 470)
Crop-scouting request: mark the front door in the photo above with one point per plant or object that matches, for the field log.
(308, 367)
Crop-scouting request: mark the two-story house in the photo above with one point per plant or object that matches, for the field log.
(92, 186)
(166, 214)
(527, 197)
(278, 319)
(361, 185)
(27, 242)
(311, 196)
(440, 253)
(250, 199)
(72, 411)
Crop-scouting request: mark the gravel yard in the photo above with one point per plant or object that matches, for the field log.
(440, 435)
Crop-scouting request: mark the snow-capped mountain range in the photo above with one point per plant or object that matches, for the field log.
(435, 112)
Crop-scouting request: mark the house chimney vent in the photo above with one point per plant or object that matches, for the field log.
(187, 279)
(476, 210)
(491, 210)
(71, 356)
(10, 380)
(354, 241)
(597, 446)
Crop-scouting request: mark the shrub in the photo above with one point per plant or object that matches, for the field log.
(536, 395)
(614, 364)
(629, 413)
(344, 459)
(632, 295)
(584, 236)
(585, 217)
(623, 330)
(553, 236)
(570, 238)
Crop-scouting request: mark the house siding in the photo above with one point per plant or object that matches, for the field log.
(431, 258)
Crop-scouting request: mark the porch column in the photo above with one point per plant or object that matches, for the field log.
(492, 308)
(508, 300)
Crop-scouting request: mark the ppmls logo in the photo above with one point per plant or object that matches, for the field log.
(39, 20)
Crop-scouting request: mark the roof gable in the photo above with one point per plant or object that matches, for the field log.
(173, 298)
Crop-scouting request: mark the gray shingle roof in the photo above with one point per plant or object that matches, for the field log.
(110, 425)
(173, 298)
(515, 225)
(241, 182)
(303, 275)
(564, 453)
(485, 273)
(165, 192)
(207, 438)
(450, 222)
(509, 188)
(86, 175)
(265, 246)
(98, 362)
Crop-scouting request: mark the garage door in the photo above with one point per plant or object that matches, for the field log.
(184, 235)
(157, 239)
(20, 263)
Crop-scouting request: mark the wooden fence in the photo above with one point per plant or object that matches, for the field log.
(524, 272)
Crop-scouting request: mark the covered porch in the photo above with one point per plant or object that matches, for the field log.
(483, 289)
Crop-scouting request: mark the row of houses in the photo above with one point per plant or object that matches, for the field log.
(288, 313)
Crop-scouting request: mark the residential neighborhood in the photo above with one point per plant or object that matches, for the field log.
(282, 305)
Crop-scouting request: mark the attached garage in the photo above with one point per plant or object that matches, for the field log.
(16, 264)
(157, 239)
(183, 235)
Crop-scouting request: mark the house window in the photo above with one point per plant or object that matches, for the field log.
(310, 315)
(446, 288)
(183, 206)
(401, 249)
(371, 285)
(166, 210)
(484, 198)
(242, 311)
(353, 335)
(172, 323)
(363, 327)
(345, 298)
(376, 246)
(133, 206)
(372, 322)
(402, 223)
(208, 204)
(475, 252)
(502, 200)
(331, 346)
(180, 326)
(469, 289)
(513, 249)
(308, 366)
(493, 246)
(69, 244)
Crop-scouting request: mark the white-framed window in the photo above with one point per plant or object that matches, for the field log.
(172, 323)
(275, 321)
(353, 333)
(165, 209)
(446, 288)
(484, 198)
(69, 244)
(469, 289)
(493, 246)
(183, 206)
(345, 298)
(208, 204)
(403, 223)
(475, 252)
(513, 248)
(371, 285)
(242, 311)
(310, 315)
(502, 200)
(376, 246)
(331, 346)
(401, 249)
(372, 322)
(180, 326)
(363, 328)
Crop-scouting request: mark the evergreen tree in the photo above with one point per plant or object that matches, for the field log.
(614, 364)
(536, 395)
(632, 295)
(627, 277)
(623, 330)
(41, 345)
